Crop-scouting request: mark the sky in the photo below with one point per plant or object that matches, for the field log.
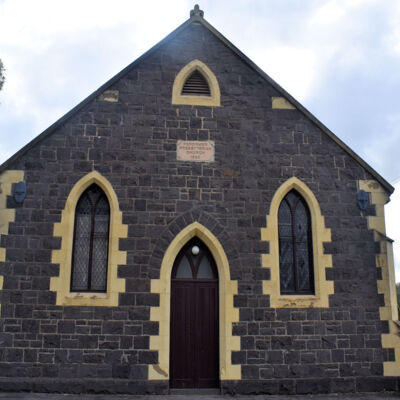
(339, 58)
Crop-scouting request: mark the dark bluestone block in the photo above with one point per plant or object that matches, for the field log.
(112, 327)
(313, 386)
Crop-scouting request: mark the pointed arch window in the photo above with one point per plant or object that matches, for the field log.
(90, 243)
(295, 246)
(194, 262)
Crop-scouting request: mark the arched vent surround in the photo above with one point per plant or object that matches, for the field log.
(196, 85)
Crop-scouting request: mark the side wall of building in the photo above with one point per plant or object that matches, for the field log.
(129, 137)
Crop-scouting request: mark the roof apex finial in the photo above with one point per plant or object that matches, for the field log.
(196, 12)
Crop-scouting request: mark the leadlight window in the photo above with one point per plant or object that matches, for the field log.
(91, 237)
(196, 85)
(295, 246)
(194, 261)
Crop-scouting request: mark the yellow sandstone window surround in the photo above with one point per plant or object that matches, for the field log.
(196, 85)
(320, 234)
(65, 229)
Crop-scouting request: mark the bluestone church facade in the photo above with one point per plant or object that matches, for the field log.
(191, 225)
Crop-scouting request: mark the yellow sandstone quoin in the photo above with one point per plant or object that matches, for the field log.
(386, 285)
(7, 215)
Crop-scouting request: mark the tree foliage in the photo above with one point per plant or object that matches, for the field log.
(2, 76)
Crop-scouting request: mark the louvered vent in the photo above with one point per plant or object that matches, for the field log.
(196, 85)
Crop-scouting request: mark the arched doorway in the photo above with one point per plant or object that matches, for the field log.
(194, 357)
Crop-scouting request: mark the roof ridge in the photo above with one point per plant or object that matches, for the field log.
(299, 106)
(196, 15)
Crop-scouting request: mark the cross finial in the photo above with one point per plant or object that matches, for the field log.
(196, 11)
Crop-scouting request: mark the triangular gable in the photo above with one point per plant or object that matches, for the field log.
(197, 17)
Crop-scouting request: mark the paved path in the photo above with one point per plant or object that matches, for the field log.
(42, 396)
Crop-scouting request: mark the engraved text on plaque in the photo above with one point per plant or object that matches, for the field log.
(192, 150)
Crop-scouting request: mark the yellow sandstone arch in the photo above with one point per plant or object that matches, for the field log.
(61, 284)
(320, 234)
(227, 313)
(213, 100)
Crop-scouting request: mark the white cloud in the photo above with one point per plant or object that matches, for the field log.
(56, 53)
(42, 19)
(329, 13)
(379, 148)
(392, 38)
(293, 68)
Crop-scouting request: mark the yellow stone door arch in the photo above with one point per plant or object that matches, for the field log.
(227, 313)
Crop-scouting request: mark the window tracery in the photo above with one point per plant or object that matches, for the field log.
(91, 238)
(295, 246)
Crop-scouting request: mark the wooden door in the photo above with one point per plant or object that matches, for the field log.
(194, 356)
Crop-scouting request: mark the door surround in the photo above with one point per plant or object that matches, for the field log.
(227, 313)
(194, 346)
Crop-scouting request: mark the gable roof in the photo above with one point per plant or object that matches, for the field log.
(196, 16)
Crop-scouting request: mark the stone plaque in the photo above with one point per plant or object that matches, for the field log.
(193, 150)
